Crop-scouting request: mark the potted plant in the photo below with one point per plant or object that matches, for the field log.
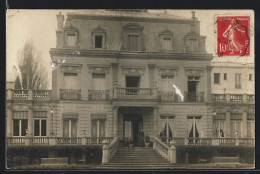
(147, 141)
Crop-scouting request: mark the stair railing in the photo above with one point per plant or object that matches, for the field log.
(168, 152)
(109, 150)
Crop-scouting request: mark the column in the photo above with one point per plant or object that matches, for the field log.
(114, 78)
(228, 122)
(30, 121)
(156, 120)
(115, 113)
(9, 122)
(244, 124)
(208, 91)
(151, 74)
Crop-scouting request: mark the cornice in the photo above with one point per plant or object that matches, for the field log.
(124, 54)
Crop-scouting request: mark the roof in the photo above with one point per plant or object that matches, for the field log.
(127, 14)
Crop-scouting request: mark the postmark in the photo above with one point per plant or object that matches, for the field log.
(233, 35)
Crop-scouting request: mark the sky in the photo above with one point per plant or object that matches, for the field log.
(40, 27)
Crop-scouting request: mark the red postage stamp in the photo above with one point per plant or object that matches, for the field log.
(233, 35)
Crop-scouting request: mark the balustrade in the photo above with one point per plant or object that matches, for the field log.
(70, 94)
(194, 96)
(98, 94)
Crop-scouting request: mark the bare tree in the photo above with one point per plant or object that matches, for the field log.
(33, 74)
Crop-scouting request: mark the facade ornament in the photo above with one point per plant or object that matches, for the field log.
(96, 68)
(133, 70)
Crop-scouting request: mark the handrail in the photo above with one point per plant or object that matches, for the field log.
(109, 150)
(161, 148)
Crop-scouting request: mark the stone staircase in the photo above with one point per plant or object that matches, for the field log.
(139, 158)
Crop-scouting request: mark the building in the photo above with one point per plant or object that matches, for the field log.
(116, 72)
(234, 94)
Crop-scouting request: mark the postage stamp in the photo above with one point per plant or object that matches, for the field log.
(233, 35)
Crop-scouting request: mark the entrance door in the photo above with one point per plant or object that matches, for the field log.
(132, 85)
(132, 126)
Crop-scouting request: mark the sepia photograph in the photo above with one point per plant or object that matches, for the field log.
(120, 89)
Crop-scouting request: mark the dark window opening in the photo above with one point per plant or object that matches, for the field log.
(36, 127)
(98, 41)
(225, 76)
(216, 78)
(15, 127)
(250, 77)
(132, 85)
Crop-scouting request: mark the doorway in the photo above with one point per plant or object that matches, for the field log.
(132, 126)
(193, 84)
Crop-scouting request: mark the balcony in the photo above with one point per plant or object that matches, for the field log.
(194, 96)
(98, 95)
(135, 93)
(234, 98)
(70, 94)
(17, 94)
(45, 141)
(211, 141)
(168, 96)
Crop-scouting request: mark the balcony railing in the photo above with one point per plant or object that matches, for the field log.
(23, 141)
(235, 98)
(168, 96)
(218, 97)
(19, 94)
(210, 141)
(98, 94)
(131, 92)
(70, 94)
(194, 96)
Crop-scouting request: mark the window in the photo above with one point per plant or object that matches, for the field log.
(98, 41)
(225, 76)
(97, 129)
(216, 78)
(69, 128)
(167, 127)
(194, 128)
(98, 81)
(40, 127)
(236, 130)
(193, 44)
(238, 81)
(19, 127)
(219, 128)
(98, 38)
(133, 42)
(166, 43)
(167, 82)
(132, 37)
(250, 77)
(71, 39)
(70, 81)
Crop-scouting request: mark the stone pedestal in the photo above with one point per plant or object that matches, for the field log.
(105, 152)
(172, 153)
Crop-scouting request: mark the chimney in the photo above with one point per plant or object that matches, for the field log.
(60, 20)
(59, 36)
(193, 16)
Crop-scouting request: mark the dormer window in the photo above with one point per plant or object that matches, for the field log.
(133, 37)
(98, 38)
(71, 39)
(192, 42)
(166, 41)
(71, 36)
